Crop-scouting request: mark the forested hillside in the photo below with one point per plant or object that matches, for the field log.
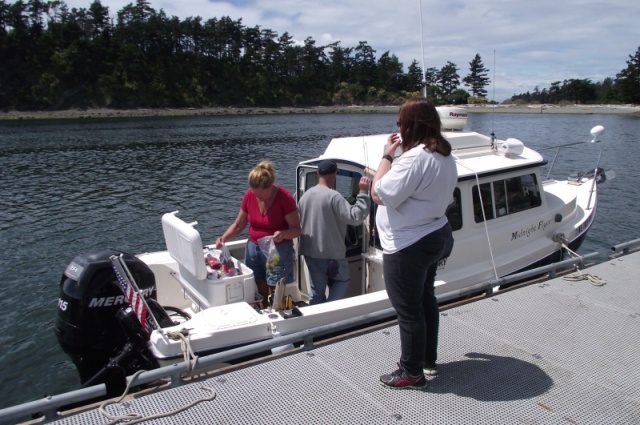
(55, 58)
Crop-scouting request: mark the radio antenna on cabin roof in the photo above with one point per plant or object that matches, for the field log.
(424, 70)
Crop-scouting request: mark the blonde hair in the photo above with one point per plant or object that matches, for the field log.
(263, 175)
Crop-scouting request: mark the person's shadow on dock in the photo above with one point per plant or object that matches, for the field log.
(487, 377)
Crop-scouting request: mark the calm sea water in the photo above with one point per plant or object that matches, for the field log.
(67, 187)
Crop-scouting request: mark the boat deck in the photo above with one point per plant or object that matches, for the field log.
(554, 352)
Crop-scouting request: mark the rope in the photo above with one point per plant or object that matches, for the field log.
(593, 279)
(484, 216)
(572, 253)
(187, 351)
(134, 418)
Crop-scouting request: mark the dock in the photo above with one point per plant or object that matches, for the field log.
(562, 351)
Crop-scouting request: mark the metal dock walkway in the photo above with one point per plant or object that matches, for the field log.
(558, 352)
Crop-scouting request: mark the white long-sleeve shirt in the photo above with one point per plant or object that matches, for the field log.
(415, 192)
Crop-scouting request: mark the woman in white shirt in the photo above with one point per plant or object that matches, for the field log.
(413, 191)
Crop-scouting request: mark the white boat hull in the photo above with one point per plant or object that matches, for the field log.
(505, 218)
(513, 245)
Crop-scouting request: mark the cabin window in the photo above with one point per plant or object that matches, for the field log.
(504, 197)
(347, 183)
(482, 209)
(312, 180)
(454, 211)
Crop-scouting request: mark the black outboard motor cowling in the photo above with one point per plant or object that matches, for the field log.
(90, 327)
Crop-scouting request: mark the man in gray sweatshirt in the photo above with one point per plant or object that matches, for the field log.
(324, 216)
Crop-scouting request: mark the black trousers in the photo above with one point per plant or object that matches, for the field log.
(409, 276)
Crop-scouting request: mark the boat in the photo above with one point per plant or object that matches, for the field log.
(119, 313)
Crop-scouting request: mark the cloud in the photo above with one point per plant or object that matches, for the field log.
(535, 43)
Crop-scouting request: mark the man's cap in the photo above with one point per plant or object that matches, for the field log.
(327, 167)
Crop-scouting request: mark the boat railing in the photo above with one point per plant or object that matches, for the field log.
(595, 169)
(555, 156)
(176, 374)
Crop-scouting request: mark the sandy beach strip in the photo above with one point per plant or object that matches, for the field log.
(392, 109)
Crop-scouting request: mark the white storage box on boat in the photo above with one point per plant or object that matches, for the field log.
(201, 287)
(214, 290)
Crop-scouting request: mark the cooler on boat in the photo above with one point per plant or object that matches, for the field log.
(204, 286)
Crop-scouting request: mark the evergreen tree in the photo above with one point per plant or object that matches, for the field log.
(414, 77)
(448, 80)
(431, 76)
(477, 78)
(605, 91)
(365, 64)
(53, 57)
(628, 80)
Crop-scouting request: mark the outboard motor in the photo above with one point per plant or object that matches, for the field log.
(95, 325)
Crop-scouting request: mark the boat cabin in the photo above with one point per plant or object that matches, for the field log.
(499, 212)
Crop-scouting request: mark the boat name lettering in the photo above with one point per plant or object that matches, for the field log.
(543, 224)
(457, 115)
(526, 232)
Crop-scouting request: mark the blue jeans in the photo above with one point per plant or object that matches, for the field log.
(322, 272)
(256, 260)
(409, 276)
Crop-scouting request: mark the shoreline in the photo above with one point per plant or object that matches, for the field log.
(98, 113)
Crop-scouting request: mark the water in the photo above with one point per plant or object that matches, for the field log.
(67, 187)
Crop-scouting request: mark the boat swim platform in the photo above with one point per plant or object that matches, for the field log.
(555, 352)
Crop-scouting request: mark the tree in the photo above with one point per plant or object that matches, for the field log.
(448, 80)
(414, 77)
(628, 80)
(390, 73)
(579, 91)
(477, 78)
(365, 64)
(341, 63)
(431, 76)
(555, 92)
(605, 91)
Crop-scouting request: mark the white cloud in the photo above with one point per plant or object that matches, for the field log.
(535, 43)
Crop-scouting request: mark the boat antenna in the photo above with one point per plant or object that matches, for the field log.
(424, 70)
(366, 156)
(494, 145)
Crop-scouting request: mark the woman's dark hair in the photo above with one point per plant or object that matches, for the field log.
(420, 124)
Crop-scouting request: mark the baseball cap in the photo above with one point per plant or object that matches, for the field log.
(327, 167)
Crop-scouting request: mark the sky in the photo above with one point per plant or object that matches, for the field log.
(523, 44)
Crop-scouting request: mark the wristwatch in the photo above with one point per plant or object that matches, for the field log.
(387, 157)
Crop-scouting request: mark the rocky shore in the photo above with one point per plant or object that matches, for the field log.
(168, 112)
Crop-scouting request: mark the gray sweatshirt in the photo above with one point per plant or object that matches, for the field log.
(324, 215)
